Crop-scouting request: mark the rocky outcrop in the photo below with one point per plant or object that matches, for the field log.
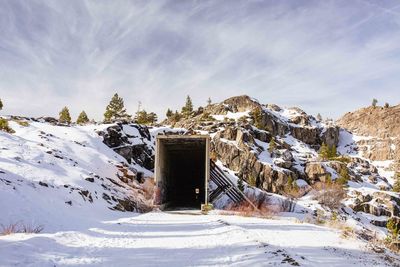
(139, 152)
(379, 128)
(237, 150)
(377, 203)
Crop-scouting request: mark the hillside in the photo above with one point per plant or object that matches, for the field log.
(81, 179)
(378, 131)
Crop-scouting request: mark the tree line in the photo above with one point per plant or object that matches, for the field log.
(116, 112)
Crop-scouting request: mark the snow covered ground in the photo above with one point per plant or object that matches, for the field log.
(166, 239)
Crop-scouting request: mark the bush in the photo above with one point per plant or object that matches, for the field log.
(252, 181)
(5, 127)
(22, 123)
(393, 229)
(329, 194)
(13, 228)
(206, 208)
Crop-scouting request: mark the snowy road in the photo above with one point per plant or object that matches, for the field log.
(165, 239)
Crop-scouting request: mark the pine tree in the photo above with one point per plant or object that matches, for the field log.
(209, 101)
(115, 110)
(240, 184)
(188, 108)
(332, 152)
(272, 145)
(152, 118)
(82, 118)
(344, 176)
(141, 117)
(169, 113)
(396, 185)
(257, 118)
(319, 117)
(65, 117)
(374, 102)
(324, 151)
(176, 116)
(1, 104)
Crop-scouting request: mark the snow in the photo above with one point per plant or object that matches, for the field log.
(85, 233)
(170, 239)
(43, 171)
(232, 115)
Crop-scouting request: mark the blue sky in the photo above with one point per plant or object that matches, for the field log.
(323, 56)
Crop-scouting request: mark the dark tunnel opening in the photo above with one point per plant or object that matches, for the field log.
(181, 172)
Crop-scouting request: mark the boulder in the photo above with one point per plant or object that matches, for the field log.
(316, 171)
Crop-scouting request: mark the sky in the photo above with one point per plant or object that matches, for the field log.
(327, 57)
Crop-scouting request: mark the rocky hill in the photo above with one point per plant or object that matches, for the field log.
(377, 131)
(243, 129)
(273, 149)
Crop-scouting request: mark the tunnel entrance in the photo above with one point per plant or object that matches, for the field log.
(182, 170)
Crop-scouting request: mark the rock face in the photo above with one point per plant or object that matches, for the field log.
(241, 147)
(379, 128)
(132, 147)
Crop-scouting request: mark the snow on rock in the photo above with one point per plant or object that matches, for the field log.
(55, 176)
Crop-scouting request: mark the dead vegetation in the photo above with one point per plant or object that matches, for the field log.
(264, 207)
(20, 227)
(148, 188)
(329, 194)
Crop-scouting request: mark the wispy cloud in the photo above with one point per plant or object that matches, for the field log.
(324, 56)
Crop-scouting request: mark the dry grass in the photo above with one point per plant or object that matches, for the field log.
(19, 227)
(263, 208)
(329, 194)
(148, 188)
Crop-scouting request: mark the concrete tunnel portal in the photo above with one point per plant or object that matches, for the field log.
(182, 168)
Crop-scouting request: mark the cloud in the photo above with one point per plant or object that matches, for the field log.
(324, 56)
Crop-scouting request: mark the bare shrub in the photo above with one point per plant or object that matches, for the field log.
(17, 227)
(31, 229)
(9, 229)
(287, 204)
(329, 194)
(261, 208)
(148, 188)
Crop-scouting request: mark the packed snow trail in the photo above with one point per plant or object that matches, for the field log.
(166, 239)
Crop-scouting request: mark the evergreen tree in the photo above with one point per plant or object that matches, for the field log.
(152, 118)
(115, 110)
(324, 151)
(1, 104)
(65, 117)
(396, 185)
(176, 116)
(374, 102)
(141, 117)
(169, 113)
(319, 117)
(344, 176)
(257, 118)
(332, 152)
(386, 105)
(82, 118)
(272, 145)
(209, 101)
(188, 108)
(240, 184)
